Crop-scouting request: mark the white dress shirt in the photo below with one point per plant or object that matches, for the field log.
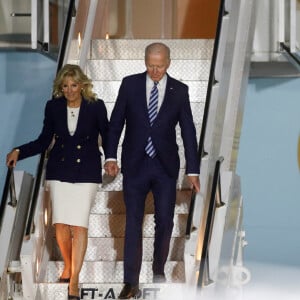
(161, 86)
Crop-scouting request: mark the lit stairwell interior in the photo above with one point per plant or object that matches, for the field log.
(102, 272)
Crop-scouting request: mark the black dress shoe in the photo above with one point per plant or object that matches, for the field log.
(130, 291)
(159, 278)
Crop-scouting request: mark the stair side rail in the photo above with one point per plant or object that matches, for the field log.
(215, 202)
(211, 82)
(8, 188)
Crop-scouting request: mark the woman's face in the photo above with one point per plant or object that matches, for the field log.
(72, 91)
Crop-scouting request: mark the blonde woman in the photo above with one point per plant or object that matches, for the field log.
(74, 118)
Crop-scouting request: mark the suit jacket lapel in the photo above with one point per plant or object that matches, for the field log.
(62, 114)
(81, 117)
(142, 96)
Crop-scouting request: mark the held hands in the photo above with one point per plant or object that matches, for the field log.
(111, 168)
(195, 182)
(12, 157)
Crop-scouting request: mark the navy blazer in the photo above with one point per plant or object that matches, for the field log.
(131, 109)
(74, 158)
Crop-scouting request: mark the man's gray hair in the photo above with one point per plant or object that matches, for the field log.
(157, 48)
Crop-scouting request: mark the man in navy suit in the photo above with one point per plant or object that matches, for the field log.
(152, 167)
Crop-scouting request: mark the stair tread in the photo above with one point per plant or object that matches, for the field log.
(112, 272)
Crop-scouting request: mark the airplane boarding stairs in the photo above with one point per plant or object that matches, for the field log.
(102, 273)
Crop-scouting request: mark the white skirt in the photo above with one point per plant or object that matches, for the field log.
(71, 202)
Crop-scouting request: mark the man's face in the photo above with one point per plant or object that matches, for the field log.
(157, 65)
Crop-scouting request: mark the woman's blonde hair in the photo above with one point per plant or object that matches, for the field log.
(75, 72)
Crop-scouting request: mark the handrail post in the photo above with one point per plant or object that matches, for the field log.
(36, 189)
(5, 195)
(12, 189)
(46, 36)
(34, 24)
(219, 202)
(188, 229)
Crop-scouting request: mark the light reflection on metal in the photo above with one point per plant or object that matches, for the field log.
(79, 40)
(37, 266)
(46, 217)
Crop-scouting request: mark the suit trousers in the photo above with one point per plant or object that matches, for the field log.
(151, 176)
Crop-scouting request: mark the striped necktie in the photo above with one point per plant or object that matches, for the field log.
(152, 113)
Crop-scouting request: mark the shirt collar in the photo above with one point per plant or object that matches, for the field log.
(162, 82)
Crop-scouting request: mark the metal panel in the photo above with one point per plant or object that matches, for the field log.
(12, 230)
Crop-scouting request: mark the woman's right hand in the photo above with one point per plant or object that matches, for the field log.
(12, 157)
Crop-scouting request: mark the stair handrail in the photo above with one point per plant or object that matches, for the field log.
(41, 165)
(293, 57)
(12, 190)
(215, 202)
(211, 82)
(9, 188)
(64, 42)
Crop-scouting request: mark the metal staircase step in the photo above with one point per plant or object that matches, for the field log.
(112, 272)
(113, 203)
(111, 249)
(114, 225)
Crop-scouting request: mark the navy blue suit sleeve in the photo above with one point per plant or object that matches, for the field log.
(188, 133)
(102, 124)
(42, 143)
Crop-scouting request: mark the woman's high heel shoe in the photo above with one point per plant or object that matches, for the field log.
(72, 297)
